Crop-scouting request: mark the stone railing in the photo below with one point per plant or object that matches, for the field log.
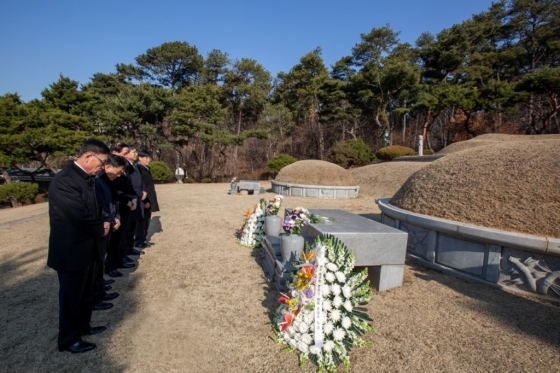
(508, 260)
(315, 191)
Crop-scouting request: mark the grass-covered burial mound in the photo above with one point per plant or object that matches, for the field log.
(313, 172)
(382, 180)
(491, 139)
(511, 185)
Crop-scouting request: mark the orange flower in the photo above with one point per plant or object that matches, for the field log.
(248, 213)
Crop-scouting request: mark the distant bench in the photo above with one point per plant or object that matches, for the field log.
(251, 186)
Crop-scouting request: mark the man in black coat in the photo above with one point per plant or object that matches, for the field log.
(76, 229)
(150, 203)
(138, 215)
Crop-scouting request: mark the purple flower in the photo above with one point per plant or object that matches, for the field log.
(308, 293)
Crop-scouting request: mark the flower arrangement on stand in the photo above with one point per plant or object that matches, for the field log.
(273, 206)
(251, 232)
(296, 220)
(321, 315)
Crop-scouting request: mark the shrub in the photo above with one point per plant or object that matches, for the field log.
(350, 153)
(206, 180)
(390, 152)
(160, 171)
(277, 163)
(425, 152)
(19, 192)
(188, 180)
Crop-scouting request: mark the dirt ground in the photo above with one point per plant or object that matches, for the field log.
(198, 302)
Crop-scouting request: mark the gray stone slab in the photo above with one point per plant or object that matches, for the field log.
(386, 277)
(326, 193)
(388, 221)
(503, 238)
(269, 272)
(341, 194)
(297, 192)
(272, 243)
(373, 243)
(253, 186)
(313, 193)
(463, 255)
(553, 246)
(441, 225)
(493, 263)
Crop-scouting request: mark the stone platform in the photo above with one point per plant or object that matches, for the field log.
(380, 248)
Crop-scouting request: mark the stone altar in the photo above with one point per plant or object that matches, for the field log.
(380, 248)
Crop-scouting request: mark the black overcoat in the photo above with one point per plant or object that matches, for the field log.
(148, 181)
(75, 220)
(138, 187)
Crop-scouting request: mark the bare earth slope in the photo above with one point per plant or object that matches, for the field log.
(197, 302)
(511, 186)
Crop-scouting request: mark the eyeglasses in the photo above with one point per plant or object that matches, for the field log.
(103, 161)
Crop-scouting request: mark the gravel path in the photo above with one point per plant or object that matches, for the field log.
(198, 302)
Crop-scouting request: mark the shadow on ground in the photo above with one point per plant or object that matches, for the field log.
(532, 317)
(29, 317)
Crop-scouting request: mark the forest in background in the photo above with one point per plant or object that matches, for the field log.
(497, 72)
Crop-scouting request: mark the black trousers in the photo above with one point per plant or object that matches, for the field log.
(75, 304)
(142, 227)
(99, 281)
(114, 254)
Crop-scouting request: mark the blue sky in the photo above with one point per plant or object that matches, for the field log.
(40, 39)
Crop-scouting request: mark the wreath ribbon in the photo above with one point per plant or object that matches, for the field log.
(318, 295)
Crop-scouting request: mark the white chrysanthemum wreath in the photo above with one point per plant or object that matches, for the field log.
(320, 315)
(251, 233)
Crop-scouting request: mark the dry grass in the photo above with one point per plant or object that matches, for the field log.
(198, 302)
(314, 172)
(382, 180)
(510, 186)
(492, 139)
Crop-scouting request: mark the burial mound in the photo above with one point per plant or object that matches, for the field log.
(382, 180)
(491, 139)
(511, 185)
(314, 172)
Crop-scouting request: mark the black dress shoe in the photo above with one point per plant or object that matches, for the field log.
(96, 330)
(114, 273)
(110, 296)
(102, 306)
(108, 282)
(107, 288)
(134, 252)
(126, 259)
(126, 265)
(148, 243)
(140, 245)
(80, 346)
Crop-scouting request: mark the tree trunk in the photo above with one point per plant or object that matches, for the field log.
(426, 124)
(7, 177)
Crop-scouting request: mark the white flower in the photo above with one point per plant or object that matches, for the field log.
(335, 289)
(306, 338)
(337, 302)
(314, 350)
(325, 290)
(303, 347)
(339, 334)
(330, 277)
(295, 323)
(292, 342)
(331, 267)
(335, 315)
(328, 328)
(297, 337)
(327, 305)
(303, 327)
(347, 291)
(323, 319)
(308, 318)
(340, 277)
(346, 322)
(291, 331)
(328, 346)
(348, 306)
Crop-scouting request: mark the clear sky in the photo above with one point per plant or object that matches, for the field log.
(41, 39)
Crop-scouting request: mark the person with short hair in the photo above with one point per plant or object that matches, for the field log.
(116, 255)
(140, 192)
(108, 200)
(150, 203)
(76, 228)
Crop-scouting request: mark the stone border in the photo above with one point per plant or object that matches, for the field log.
(315, 191)
(504, 259)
